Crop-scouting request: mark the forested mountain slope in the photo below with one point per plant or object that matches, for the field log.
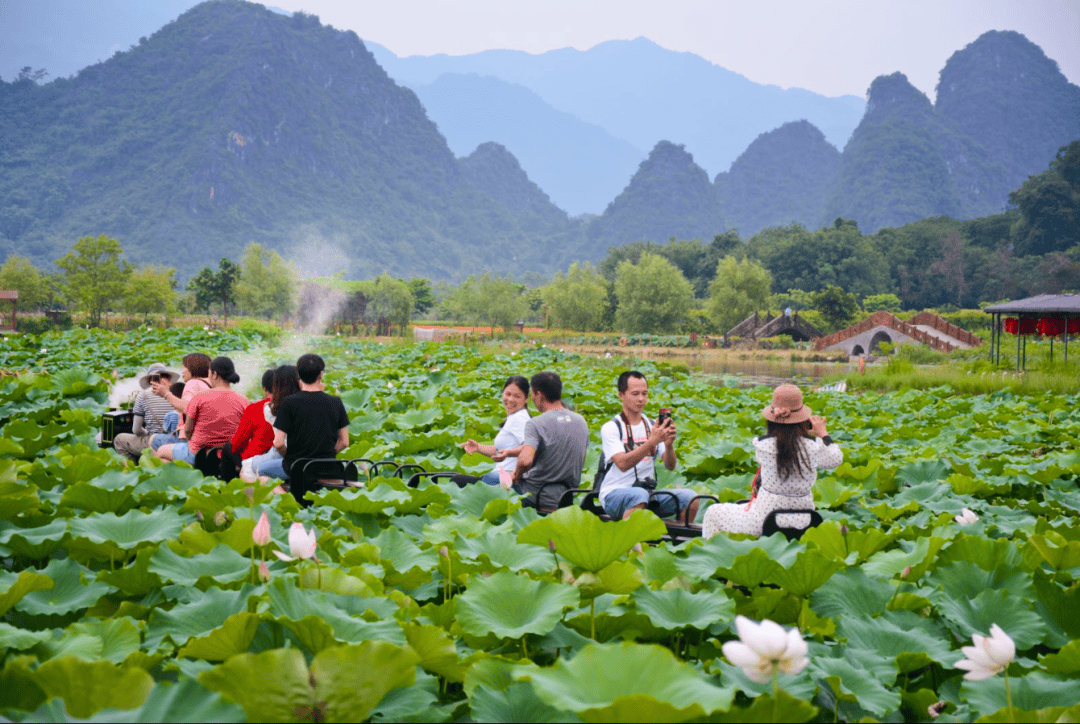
(235, 124)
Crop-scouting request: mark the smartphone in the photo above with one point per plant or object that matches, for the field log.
(665, 414)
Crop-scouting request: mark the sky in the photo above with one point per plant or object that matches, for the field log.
(832, 47)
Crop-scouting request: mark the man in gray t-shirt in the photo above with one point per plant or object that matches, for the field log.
(555, 444)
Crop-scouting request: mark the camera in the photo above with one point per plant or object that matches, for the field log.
(154, 378)
(665, 414)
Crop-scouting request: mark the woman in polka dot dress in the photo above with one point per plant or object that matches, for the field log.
(794, 447)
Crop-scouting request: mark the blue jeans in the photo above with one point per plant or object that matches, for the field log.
(269, 464)
(162, 438)
(181, 451)
(491, 478)
(618, 501)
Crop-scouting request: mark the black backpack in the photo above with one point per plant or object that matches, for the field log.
(604, 465)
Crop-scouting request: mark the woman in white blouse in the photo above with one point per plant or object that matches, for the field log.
(504, 450)
(795, 446)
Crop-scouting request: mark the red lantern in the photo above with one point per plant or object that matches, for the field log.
(1028, 325)
(1074, 325)
(1011, 326)
(1050, 326)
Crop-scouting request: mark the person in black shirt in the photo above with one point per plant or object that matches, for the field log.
(310, 423)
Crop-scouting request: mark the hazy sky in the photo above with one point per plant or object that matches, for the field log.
(832, 47)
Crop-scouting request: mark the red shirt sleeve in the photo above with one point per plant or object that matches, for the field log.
(253, 435)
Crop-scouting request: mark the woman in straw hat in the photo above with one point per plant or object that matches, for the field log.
(795, 445)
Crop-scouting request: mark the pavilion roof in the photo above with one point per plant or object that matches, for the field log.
(1041, 304)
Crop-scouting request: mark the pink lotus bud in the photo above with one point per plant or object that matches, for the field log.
(220, 518)
(551, 545)
(444, 553)
(261, 534)
(264, 572)
(637, 547)
(843, 530)
(906, 572)
(506, 479)
(198, 514)
(250, 493)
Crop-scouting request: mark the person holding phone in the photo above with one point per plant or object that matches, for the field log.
(631, 446)
(149, 412)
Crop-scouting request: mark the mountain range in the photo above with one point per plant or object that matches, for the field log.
(235, 123)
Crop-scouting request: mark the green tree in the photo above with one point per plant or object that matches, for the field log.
(267, 285)
(491, 300)
(19, 274)
(653, 296)
(216, 287)
(577, 300)
(94, 275)
(881, 303)
(423, 293)
(152, 290)
(839, 255)
(738, 290)
(390, 302)
(838, 309)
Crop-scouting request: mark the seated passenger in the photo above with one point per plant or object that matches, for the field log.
(631, 446)
(194, 371)
(211, 417)
(794, 447)
(150, 413)
(270, 464)
(553, 452)
(172, 421)
(254, 435)
(504, 451)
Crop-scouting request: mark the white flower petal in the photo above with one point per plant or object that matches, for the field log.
(1000, 647)
(746, 628)
(740, 654)
(771, 640)
(793, 665)
(283, 557)
(761, 674)
(977, 653)
(796, 647)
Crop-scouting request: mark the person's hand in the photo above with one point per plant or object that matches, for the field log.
(817, 426)
(499, 456)
(470, 447)
(160, 388)
(664, 433)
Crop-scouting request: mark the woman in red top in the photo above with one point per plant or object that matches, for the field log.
(255, 435)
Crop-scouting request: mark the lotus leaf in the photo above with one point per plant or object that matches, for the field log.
(222, 564)
(362, 502)
(852, 593)
(35, 543)
(130, 531)
(676, 609)
(911, 639)
(416, 703)
(516, 702)
(15, 587)
(627, 682)
(720, 552)
(808, 573)
(185, 701)
(583, 539)
(502, 551)
(352, 680)
(116, 638)
(88, 687)
(1033, 691)
(110, 492)
(855, 682)
(234, 637)
(69, 592)
(510, 606)
(279, 676)
(967, 616)
(203, 613)
(17, 639)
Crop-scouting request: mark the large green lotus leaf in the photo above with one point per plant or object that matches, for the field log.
(502, 551)
(318, 619)
(221, 565)
(986, 553)
(420, 442)
(967, 616)
(17, 585)
(17, 639)
(352, 680)
(185, 701)
(406, 564)
(118, 637)
(35, 543)
(448, 527)
(863, 542)
(18, 686)
(675, 609)
(110, 492)
(627, 682)
(583, 539)
(854, 681)
(170, 482)
(416, 703)
(1065, 661)
(809, 572)
(135, 577)
(234, 637)
(889, 513)
(829, 493)
(510, 606)
(851, 593)
(272, 686)
(496, 673)
(659, 563)
(912, 640)
(360, 501)
(1058, 610)
(1049, 715)
(88, 687)
(416, 418)
(720, 552)
(516, 702)
(435, 650)
(356, 581)
(204, 612)
(472, 499)
(1036, 690)
(921, 556)
(966, 579)
(422, 496)
(620, 577)
(722, 456)
(69, 592)
(1060, 554)
(130, 531)
(785, 708)
(752, 569)
(16, 497)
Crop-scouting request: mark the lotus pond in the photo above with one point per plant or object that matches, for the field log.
(134, 594)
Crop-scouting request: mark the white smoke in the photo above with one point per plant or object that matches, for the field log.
(315, 256)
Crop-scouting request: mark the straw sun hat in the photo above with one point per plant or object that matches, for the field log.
(787, 406)
(157, 369)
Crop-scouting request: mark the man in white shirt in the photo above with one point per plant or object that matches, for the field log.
(631, 445)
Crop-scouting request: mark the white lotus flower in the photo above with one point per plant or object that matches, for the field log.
(966, 517)
(764, 648)
(989, 656)
(301, 543)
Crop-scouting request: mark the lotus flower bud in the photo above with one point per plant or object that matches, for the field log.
(936, 709)
(906, 572)
(843, 530)
(250, 493)
(198, 514)
(551, 545)
(444, 552)
(220, 518)
(264, 572)
(261, 534)
(637, 547)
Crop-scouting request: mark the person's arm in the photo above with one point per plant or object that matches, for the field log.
(244, 432)
(526, 458)
(189, 427)
(501, 455)
(137, 425)
(830, 455)
(342, 440)
(161, 389)
(625, 460)
(279, 441)
(471, 447)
